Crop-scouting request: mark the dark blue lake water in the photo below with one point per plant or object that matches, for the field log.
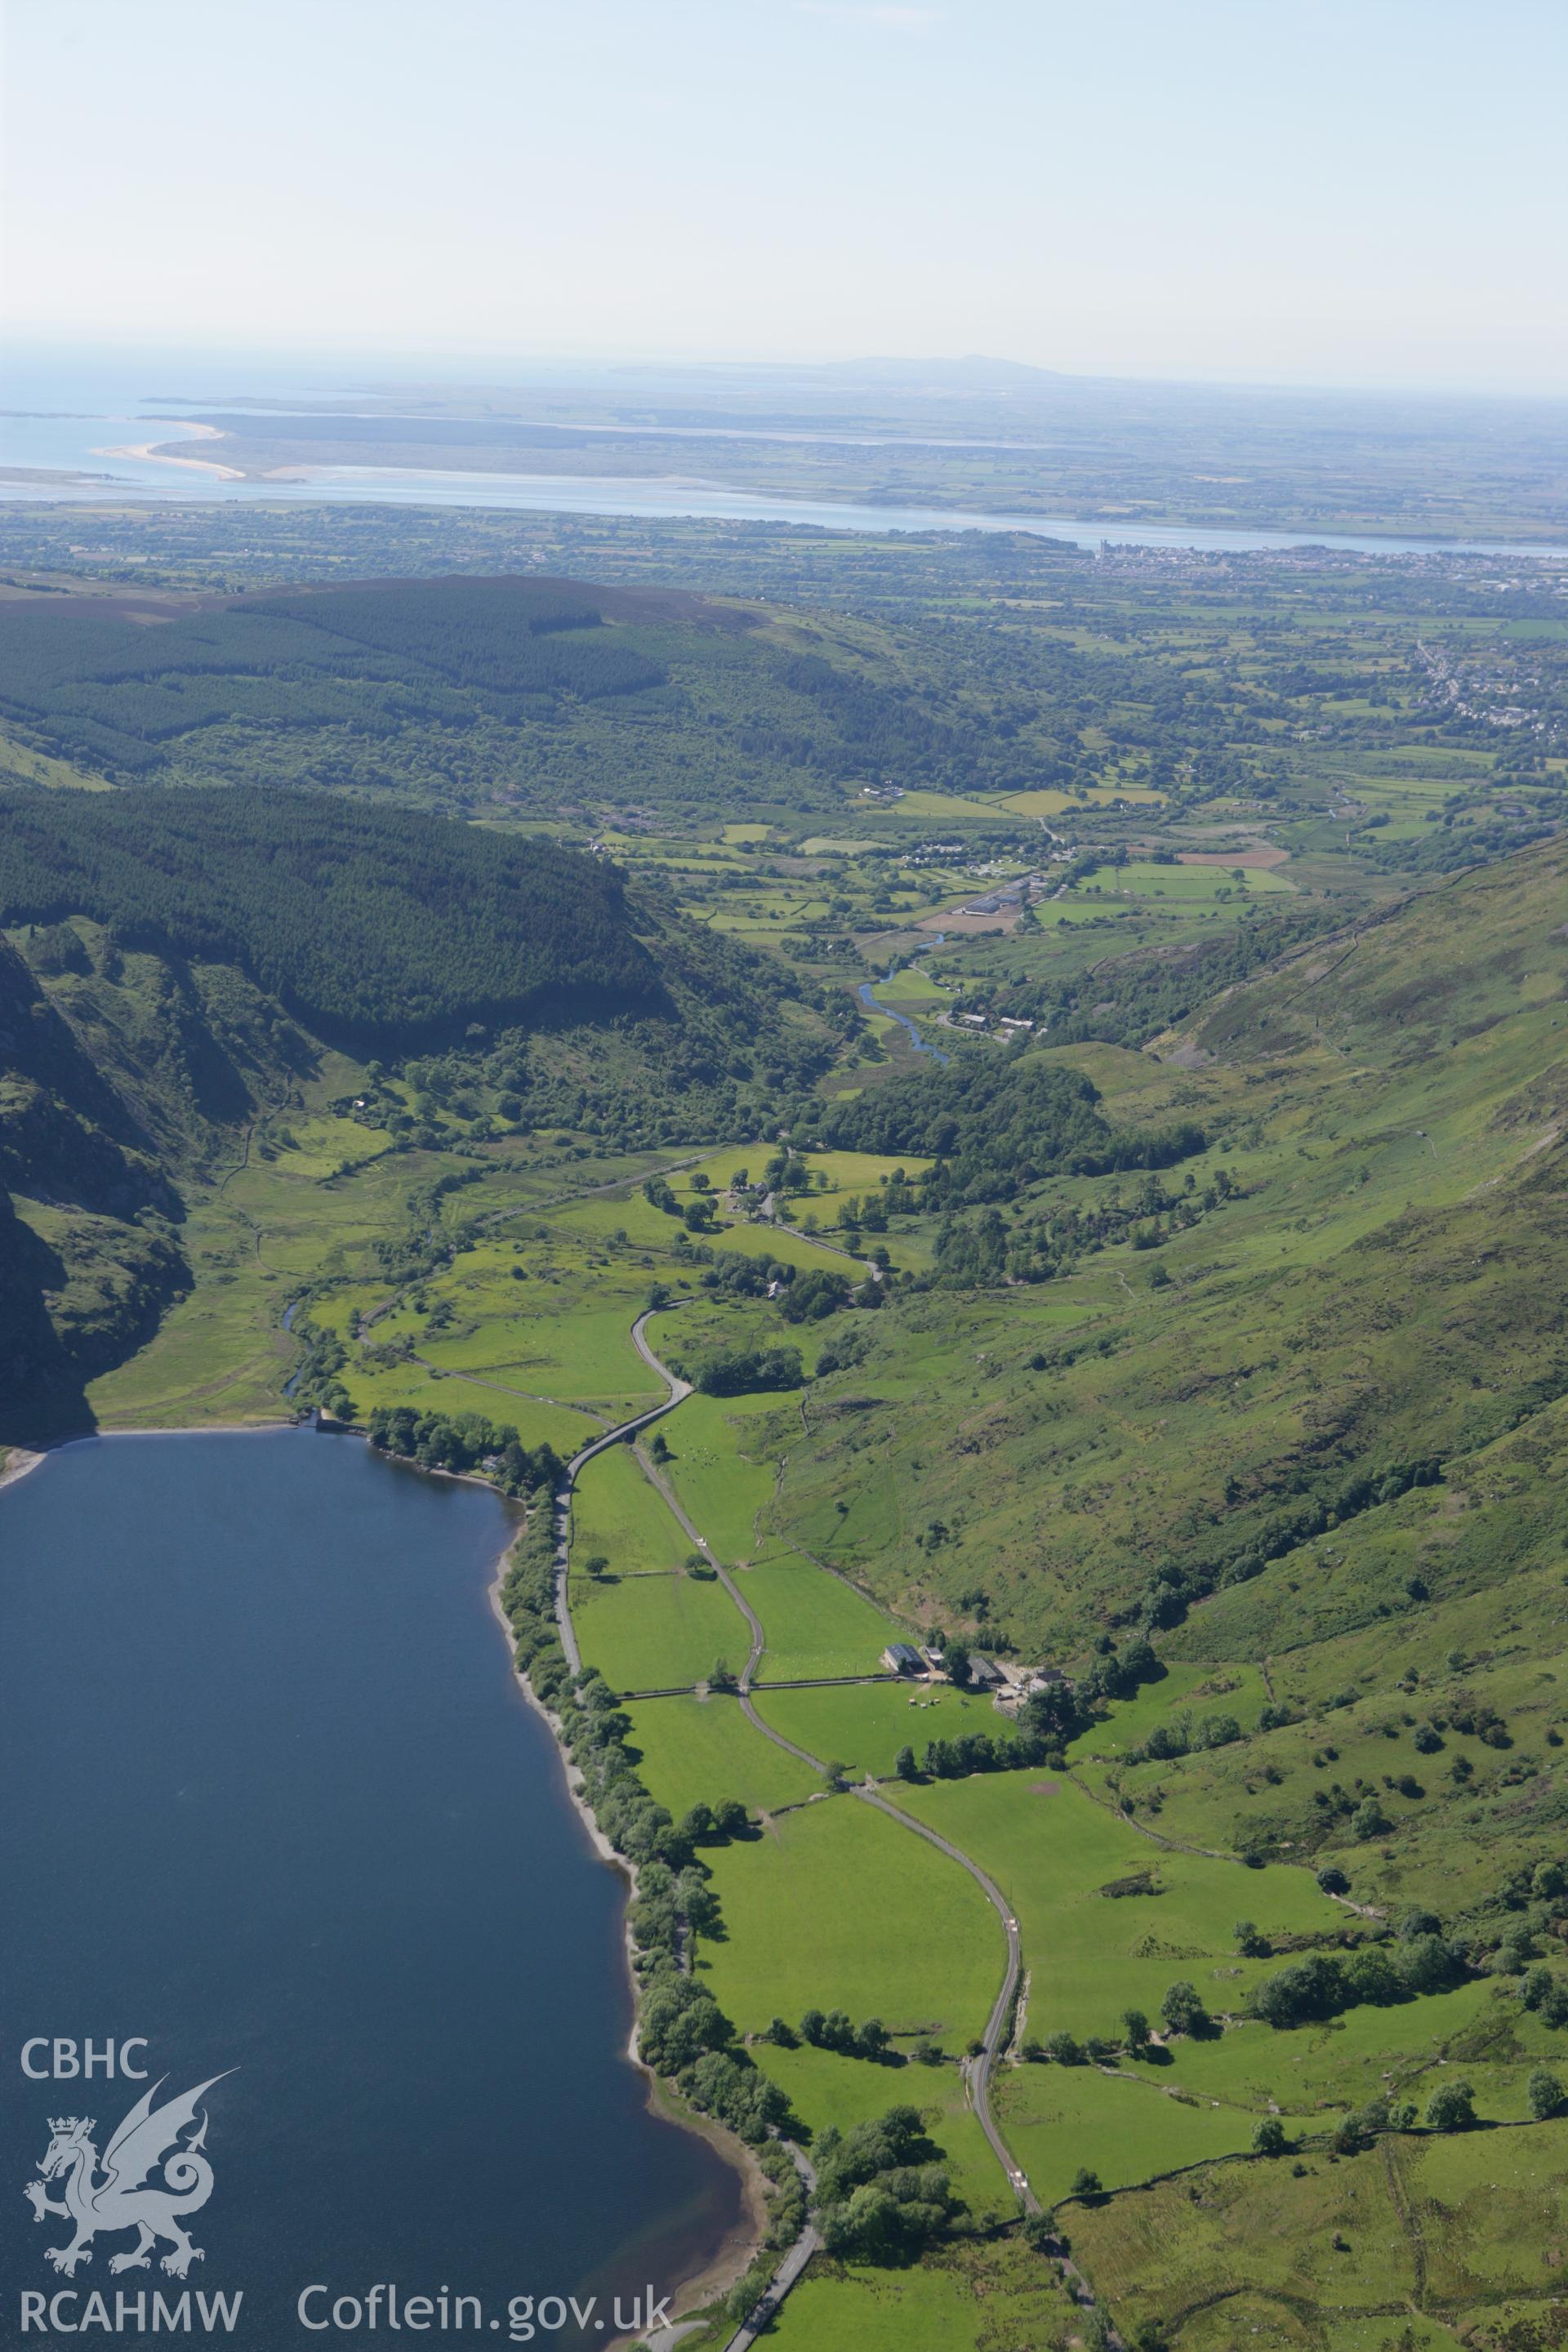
(270, 1799)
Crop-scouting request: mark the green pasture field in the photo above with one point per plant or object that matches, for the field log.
(324, 1147)
(969, 2298)
(956, 809)
(911, 985)
(722, 1491)
(536, 1423)
(827, 2089)
(656, 1633)
(334, 1310)
(1457, 2224)
(857, 1172)
(219, 1354)
(912, 1244)
(615, 1511)
(1194, 1690)
(1056, 2119)
(1056, 914)
(1046, 803)
(1311, 2072)
(496, 1390)
(832, 1172)
(1147, 881)
(814, 1623)
(1091, 1955)
(699, 1751)
(736, 924)
(722, 1168)
(557, 1346)
(594, 1224)
(837, 1907)
(770, 1241)
(864, 1724)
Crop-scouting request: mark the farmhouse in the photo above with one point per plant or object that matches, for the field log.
(1019, 1683)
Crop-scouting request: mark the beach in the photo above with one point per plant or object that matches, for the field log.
(152, 452)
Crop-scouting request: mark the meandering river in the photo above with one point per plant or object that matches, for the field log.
(271, 1799)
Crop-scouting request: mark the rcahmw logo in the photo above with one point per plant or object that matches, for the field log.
(154, 2173)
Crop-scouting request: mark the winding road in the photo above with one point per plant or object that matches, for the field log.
(977, 2070)
(678, 1390)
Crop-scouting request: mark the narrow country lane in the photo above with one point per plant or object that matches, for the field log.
(666, 1494)
(996, 2029)
(978, 2069)
(678, 1390)
(761, 2317)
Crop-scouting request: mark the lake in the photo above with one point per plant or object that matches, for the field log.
(271, 1799)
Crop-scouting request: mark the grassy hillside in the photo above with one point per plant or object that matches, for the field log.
(1357, 1282)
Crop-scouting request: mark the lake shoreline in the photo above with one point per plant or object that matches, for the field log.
(353, 1535)
(743, 2242)
(20, 1460)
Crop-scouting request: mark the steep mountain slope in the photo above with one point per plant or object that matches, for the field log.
(1372, 1287)
(180, 962)
(1284, 1489)
(122, 1078)
(380, 927)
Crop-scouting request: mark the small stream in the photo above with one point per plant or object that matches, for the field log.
(295, 1377)
(867, 998)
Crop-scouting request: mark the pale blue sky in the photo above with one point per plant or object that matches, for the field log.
(1356, 192)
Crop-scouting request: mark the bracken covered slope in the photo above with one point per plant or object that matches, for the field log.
(1377, 1283)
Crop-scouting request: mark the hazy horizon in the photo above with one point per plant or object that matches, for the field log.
(381, 371)
(1335, 200)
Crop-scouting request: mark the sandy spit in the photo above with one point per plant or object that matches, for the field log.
(157, 453)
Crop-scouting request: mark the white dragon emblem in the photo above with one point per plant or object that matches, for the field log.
(147, 2141)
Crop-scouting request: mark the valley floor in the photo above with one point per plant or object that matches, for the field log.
(1111, 1878)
